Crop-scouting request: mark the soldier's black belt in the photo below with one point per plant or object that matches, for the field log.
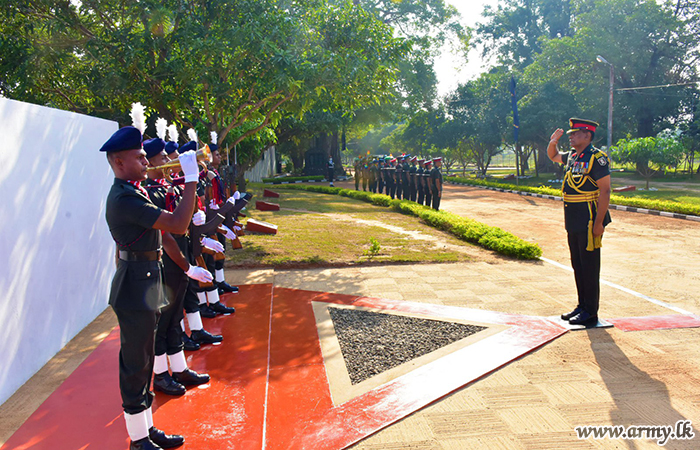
(154, 255)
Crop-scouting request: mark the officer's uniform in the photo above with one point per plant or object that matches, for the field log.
(398, 180)
(137, 289)
(390, 179)
(580, 207)
(427, 183)
(413, 190)
(435, 176)
(405, 186)
(420, 199)
(373, 177)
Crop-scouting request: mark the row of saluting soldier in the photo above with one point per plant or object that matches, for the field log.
(404, 177)
(170, 236)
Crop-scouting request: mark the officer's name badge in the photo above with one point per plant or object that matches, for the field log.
(602, 161)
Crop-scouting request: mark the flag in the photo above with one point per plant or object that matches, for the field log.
(514, 103)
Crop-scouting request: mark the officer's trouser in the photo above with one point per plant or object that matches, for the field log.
(586, 267)
(137, 331)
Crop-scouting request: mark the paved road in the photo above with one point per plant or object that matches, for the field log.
(656, 256)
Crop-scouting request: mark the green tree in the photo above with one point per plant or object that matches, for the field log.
(649, 154)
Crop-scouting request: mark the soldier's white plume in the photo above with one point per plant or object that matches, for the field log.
(192, 134)
(172, 132)
(214, 137)
(161, 127)
(138, 117)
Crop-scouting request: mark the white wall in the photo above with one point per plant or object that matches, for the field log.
(265, 168)
(56, 252)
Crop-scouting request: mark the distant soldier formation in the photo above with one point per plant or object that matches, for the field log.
(403, 177)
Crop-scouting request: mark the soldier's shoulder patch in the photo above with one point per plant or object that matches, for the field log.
(603, 161)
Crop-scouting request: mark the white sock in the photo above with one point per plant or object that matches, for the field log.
(178, 362)
(195, 321)
(136, 425)
(182, 324)
(202, 296)
(213, 296)
(220, 275)
(149, 418)
(160, 365)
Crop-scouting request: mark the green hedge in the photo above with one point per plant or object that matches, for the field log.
(293, 179)
(469, 230)
(636, 202)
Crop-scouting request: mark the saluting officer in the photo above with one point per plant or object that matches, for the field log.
(137, 292)
(586, 190)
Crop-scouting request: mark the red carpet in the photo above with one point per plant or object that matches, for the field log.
(271, 400)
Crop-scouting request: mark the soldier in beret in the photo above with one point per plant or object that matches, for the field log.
(419, 182)
(137, 293)
(427, 181)
(436, 183)
(586, 191)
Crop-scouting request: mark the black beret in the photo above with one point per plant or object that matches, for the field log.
(192, 145)
(127, 138)
(153, 147)
(171, 147)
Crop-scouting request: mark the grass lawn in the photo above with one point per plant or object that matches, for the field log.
(324, 230)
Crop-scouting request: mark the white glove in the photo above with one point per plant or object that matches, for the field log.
(236, 228)
(199, 274)
(199, 218)
(212, 244)
(188, 162)
(213, 205)
(236, 195)
(227, 232)
(231, 200)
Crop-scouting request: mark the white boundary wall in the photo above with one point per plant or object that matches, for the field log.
(56, 253)
(265, 168)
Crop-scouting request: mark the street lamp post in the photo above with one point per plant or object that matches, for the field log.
(610, 99)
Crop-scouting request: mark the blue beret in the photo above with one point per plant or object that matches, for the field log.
(213, 147)
(192, 145)
(127, 138)
(171, 147)
(153, 147)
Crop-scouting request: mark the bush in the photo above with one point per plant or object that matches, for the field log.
(469, 230)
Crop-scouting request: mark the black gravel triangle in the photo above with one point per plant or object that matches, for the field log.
(373, 342)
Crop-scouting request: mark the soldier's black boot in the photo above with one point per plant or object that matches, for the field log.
(165, 440)
(221, 309)
(190, 345)
(571, 314)
(144, 444)
(189, 377)
(205, 337)
(164, 383)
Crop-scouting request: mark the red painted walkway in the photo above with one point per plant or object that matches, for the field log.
(269, 387)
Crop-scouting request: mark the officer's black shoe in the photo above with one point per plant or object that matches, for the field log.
(571, 314)
(221, 309)
(206, 312)
(189, 344)
(224, 286)
(233, 291)
(165, 440)
(205, 337)
(584, 318)
(190, 377)
(164, 383)
(144, 444)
